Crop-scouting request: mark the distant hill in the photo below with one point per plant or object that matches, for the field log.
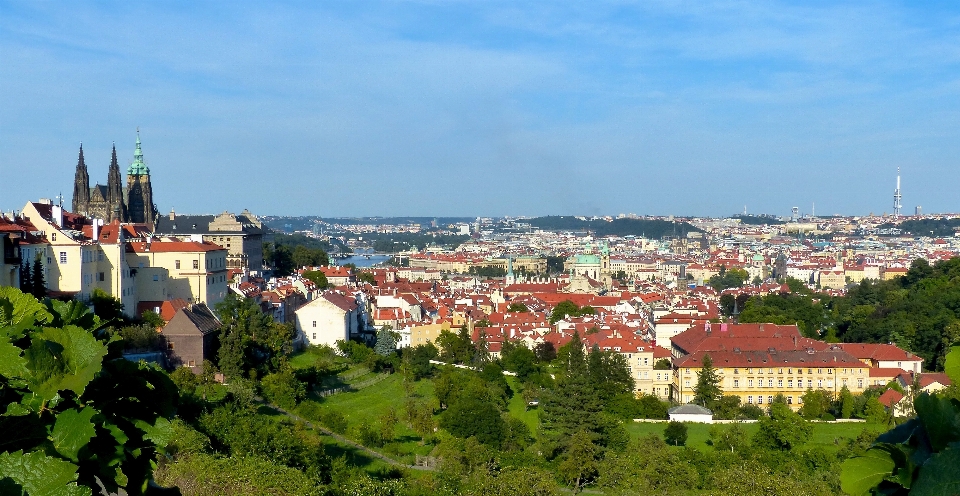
(923, 227)
(306, 223)
(757, 220)
(617, 227)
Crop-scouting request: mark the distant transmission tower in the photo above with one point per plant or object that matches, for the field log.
(897, 196)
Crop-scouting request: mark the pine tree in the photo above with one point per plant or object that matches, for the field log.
(386, 344)
(574, 403)
(26, 280)
(707, 390)
(39, 285)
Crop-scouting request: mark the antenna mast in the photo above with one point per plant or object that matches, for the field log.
(897, 197)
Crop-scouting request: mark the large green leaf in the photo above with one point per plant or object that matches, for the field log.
(41, 474)
(940, 476)
(73, 431)
(63, 359)
(22, 312)
(940, 417)
(160, 433)
(952, 365)
(12, 364)
(71, 313)
(858, 475)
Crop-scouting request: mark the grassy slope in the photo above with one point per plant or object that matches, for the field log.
(824, 434)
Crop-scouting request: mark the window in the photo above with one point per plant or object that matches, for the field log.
(314, 336)
(749, 400)
(736, 371)
(314, 323)
(750, 383)
(780, 383)
(53, 236)
(789, 400)
(156, 277)
(769, 399)
(820, 383)
(859, 383)
(686, 384)
(759, 400)
(769, 382)
(63, 257)
(191, 363)
(196, 264)
(809, 383)
(790, 383)
(736, 383)
(176, 264)
(100, 276)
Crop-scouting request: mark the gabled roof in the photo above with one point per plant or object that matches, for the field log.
(194, 319)
(689, 409)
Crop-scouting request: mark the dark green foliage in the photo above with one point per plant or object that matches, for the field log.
(283, 389)
(39, 286)
(249, 339)
(675, 433)
(707, 390)
(568, 308)
(924, 227)
(517, 308)
(26, 278)
(105, 306)
(516, 357)
(545, 352)
(318, 278)
(726, 408)
(783, 430)
(488, 271)
(140, 338)
(417, 360)
(75, 413)
(618, 227)
(662, 364)
(456, 348)
(733, 278)
(555, 264)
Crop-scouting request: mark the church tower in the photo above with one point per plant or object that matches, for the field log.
(116, 208)
(139, 195)
(81, 186)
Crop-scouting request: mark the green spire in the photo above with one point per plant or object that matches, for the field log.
(138, 168)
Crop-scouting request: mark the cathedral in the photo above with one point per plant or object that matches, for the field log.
(114, 202)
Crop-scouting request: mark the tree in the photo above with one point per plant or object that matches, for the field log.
(386, 341)
(545, 351)
(662, 364)
(417, 360)
(845, 403)
(562, 310)
(517, 308)
(675, 433)
(816, 404)
(472, 412)
(105, 306)
(283, 389)
(516, 357)
(249, 339)
(707, 390)
(367, 277)
(574, 404)
(318, 278)
(39, 283)
(578, 464)
(782, 430)
(26, 279)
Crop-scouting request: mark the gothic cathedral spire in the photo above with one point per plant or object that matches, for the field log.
(81, 186)
(115, 191)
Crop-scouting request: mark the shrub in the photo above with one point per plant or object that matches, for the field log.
(675, 433)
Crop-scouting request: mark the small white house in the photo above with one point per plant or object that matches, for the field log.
(691, 413)
(329, 318)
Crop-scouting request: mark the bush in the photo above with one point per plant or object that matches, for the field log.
(675, 433)
(335, 420)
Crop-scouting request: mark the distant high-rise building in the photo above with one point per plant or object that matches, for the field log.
(918, 211)
(897, 196)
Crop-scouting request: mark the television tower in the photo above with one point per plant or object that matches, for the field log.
(897, 196)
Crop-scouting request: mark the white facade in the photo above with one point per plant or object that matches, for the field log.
(323, 322)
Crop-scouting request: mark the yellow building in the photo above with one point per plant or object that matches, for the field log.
(191, 270)
(758, 376)
(424, 334)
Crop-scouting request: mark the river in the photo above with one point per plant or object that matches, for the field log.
(359, 258)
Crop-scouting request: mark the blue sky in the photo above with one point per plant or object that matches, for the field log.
(488, 108)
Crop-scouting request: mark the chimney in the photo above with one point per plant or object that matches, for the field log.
(173, 215)
(95, 229)
(57, 214)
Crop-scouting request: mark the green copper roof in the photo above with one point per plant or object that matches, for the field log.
(138, 168)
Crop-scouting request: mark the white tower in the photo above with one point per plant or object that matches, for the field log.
(897, 196)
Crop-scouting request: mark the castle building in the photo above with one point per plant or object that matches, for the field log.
(112, 202)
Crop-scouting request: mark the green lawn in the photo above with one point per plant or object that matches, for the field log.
(364, 407)
(518, 408)
(824, 434)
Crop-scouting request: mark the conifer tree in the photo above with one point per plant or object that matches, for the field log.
(26, 279)
(39, 287)
(386, 344)
(707, 390)
(573, 404)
